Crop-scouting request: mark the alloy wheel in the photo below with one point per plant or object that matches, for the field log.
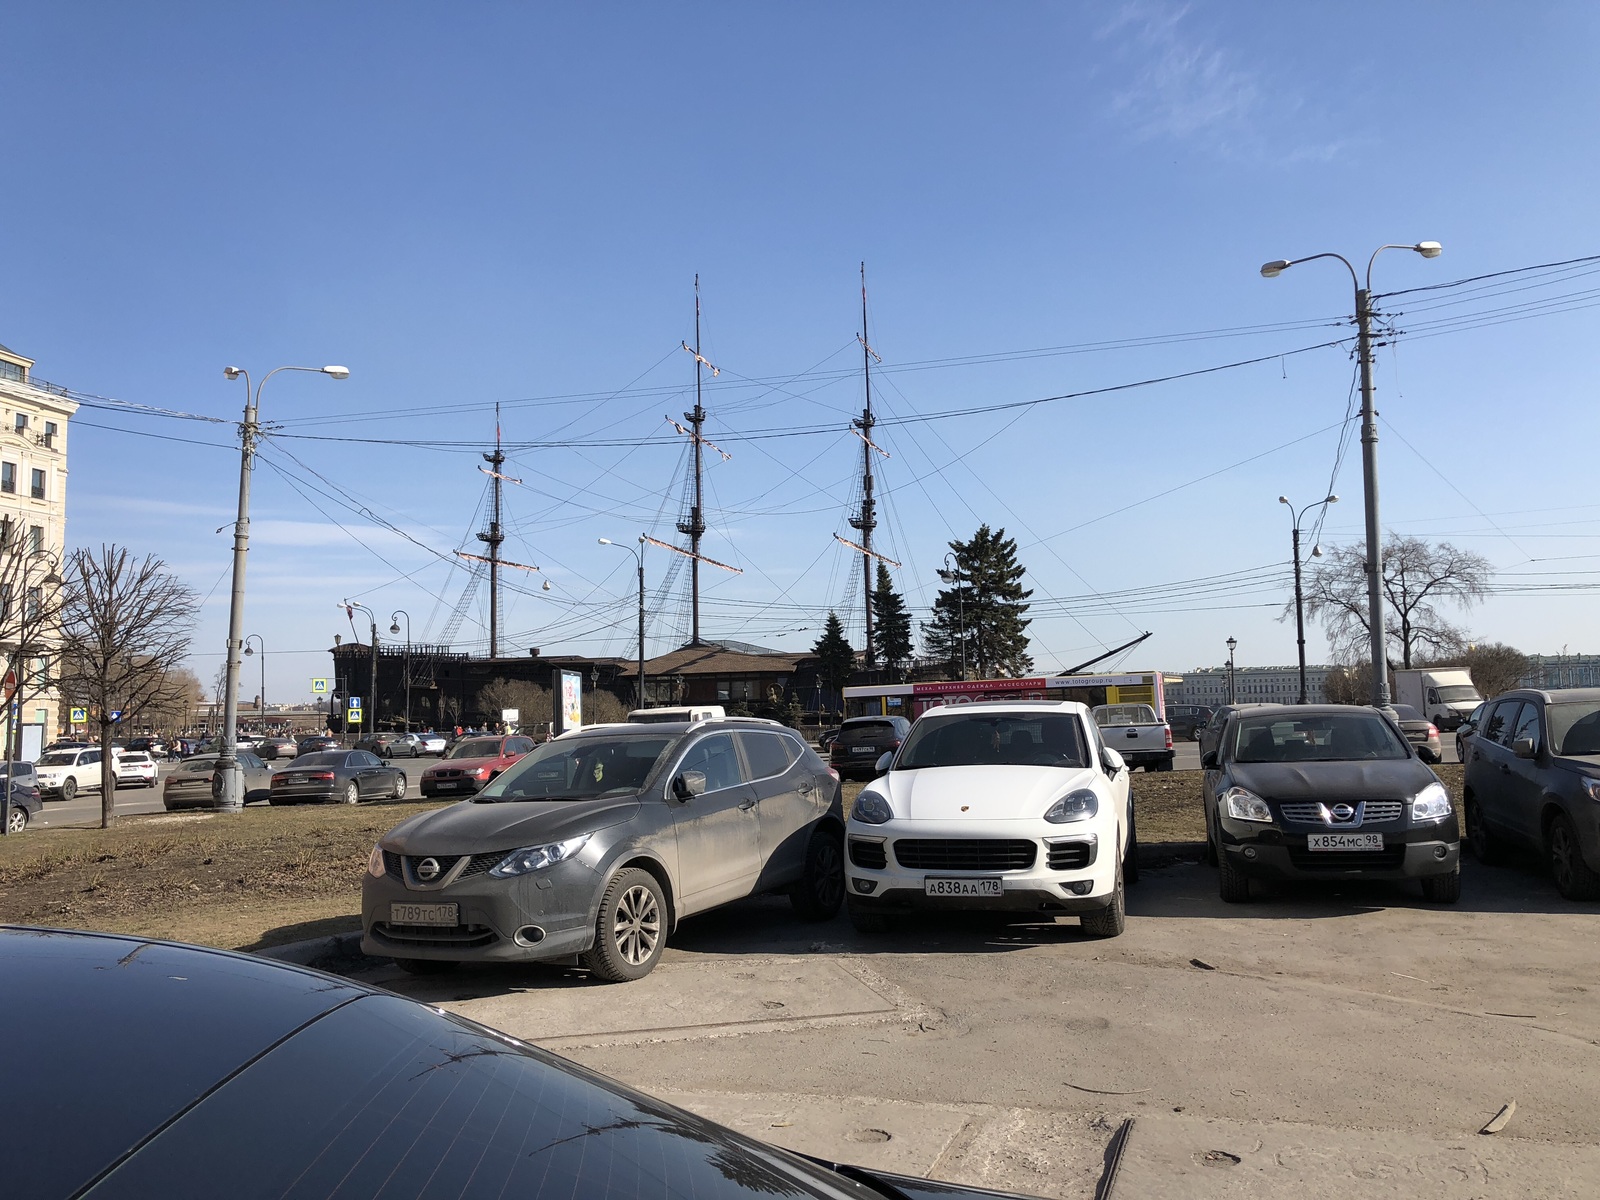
(637, 928)
(18, 821)
(1561, 852)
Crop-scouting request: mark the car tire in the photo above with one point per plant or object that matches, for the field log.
(631, 930)
(1211, 842)
(1164, 765)
(1574, 879)
(1130, 856)
(69, 788)
(1233, 885)
(19, 819)
(820, 892)
(352, 793)
(1486, 848)
(1442, 889)
(1110, 921)
(400, 786)
(868, 920)
(426, 966)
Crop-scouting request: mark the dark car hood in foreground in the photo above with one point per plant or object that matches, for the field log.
(1583, 764)
(472, 828)
(1392, 779)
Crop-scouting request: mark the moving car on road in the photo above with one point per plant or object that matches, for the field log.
(337, 776)
(65, 773)
(134, 768)
(274, 748)
(862, 741)
(1532, 779)
(220, 1074)
(597, 844)
(317, 741)
(25, 802)
(1009, 805)
(1422, 733)
(189, 784)
(473, 762)
(1325, 791)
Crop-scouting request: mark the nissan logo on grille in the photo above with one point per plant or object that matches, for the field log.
(428, 869)
(1341, 812)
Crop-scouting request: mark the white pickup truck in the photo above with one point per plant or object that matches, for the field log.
(1135, 732)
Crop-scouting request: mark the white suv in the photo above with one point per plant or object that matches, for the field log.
(1014, 806)
(65, 773)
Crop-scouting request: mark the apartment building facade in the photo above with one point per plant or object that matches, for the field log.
(34, 416)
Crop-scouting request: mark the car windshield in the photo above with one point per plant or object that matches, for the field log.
(476, 748)
(1455, 693)
(581, 768)
(1124, 714)
(1320, 737)
(59, 758)
(198, 765)
(1013, 739)
(1575, 727)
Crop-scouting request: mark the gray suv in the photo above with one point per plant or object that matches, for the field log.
(598, 843)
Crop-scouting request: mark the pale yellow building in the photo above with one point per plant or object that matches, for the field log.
(33, 533)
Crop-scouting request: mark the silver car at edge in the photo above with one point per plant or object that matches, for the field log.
(598, 843)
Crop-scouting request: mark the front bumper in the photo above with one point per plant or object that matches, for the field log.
(460, 785)
(1280, 851)
(1036, 887)
(560, 901)
(303, 795)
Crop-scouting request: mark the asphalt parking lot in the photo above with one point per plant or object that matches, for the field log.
(1343, 1041)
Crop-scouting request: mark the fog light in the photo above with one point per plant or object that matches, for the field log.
(1441, 851)
(1249, 851)
(1081, 888)
(865, 886)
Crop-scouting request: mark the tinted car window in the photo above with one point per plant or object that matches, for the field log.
(714, 756)
(1025, 739)
(476, 748)
(577, 768)
(1320, 737)
(1505, 720)
(866, 733)
(321, 758)
(518, 745)
(1494, 720)
(767, 753)
(1575, 728)
(1527, 725)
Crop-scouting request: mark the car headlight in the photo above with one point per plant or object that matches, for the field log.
(871, 809)
(536, 858)
(1244, 805)
(1074, 806)
(1432, 803)
(375, 864)
(1591, 788)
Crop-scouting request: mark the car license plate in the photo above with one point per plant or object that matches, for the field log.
(294, 778)
(862, 749)
(1344, 841)
(962, 887)
(445, 783)
(423, 914)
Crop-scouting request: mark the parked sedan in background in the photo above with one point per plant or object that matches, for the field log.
(473, 762)
(1325, 791)
(1422, 733)
(402, 745)
(189, 784)
(342, 776)
(25, 802)
(1532, 779)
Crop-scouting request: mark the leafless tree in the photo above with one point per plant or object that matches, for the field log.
(1418, 577)
(125, 630)
(30, 614)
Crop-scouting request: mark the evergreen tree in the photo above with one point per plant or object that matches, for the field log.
(835, 659)
(892, 622)
(984, 610)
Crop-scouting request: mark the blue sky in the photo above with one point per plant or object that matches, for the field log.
(472, 203)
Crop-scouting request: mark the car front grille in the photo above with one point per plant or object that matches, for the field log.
(1388, 859)
(394, 865)
(1070, 856)
(439, 937)
(965, 854)
(868, 855)
(1368, 812)
(482, 862)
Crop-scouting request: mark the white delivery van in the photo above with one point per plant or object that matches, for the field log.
(1445, 695)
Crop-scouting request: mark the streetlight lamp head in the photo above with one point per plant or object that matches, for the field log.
(337, 372)
(1275, 268)
(1316, 551)
(231, 372)
(1429, 249)
(249, 650)
(604, 541)
(1331, 500)
(1232, 644)
(394, 627)
(1283, 499)
(546, 585)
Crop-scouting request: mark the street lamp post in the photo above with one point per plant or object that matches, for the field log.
(228, 782)
(1316, 552)
(1233, 695)
(640, 555)
(371, 717)
(952, 574)
(394, 627)
(261, 699)
(1369, 448)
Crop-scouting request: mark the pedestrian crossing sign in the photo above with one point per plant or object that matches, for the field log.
(319, 686)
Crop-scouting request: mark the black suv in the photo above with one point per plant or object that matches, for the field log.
(1325, 791)
(864, 740)
(1533, 779)
(1187, 720)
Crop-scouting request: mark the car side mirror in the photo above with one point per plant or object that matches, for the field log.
(689, 784)
(1522, 747)
(1112, 761)
(883, 762)
(1208, 760)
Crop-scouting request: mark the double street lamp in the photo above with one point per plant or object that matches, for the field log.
(228, 782)
(639, 554)
(1369, 448)
(1316, 552)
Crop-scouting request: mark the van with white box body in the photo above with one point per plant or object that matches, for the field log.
(1445, 695)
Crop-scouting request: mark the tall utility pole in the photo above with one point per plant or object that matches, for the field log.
(1369, 448)
(867, 520)
(493, 539)
(695, 526)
